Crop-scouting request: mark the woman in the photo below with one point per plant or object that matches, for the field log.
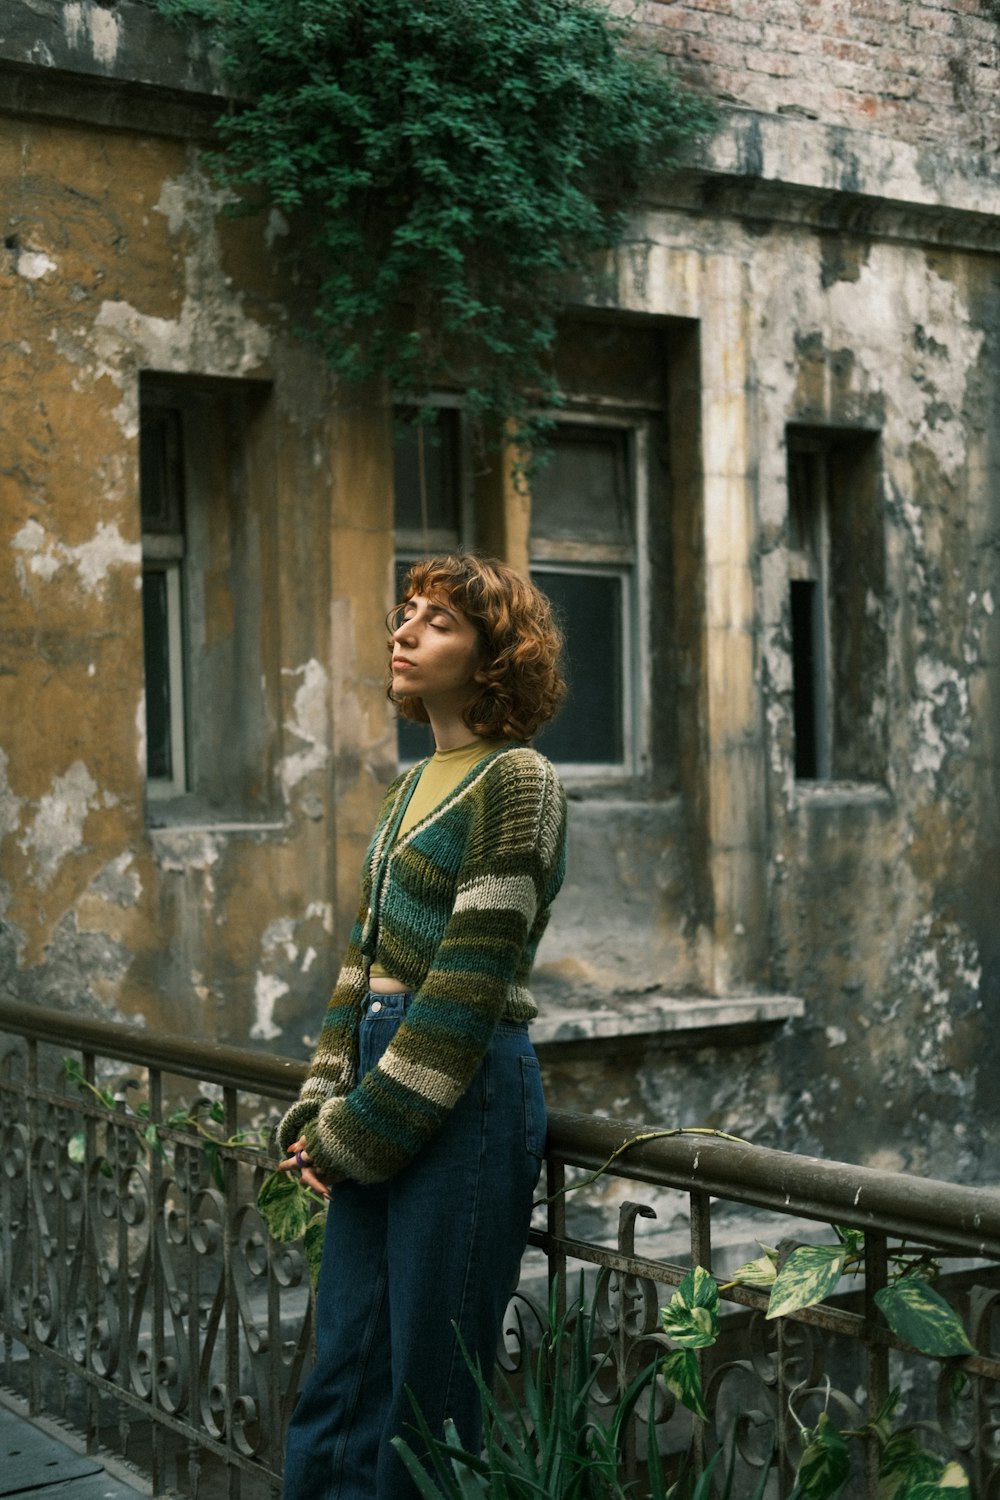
(422, 1118)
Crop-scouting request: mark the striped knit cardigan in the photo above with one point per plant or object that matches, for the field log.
(455, 910)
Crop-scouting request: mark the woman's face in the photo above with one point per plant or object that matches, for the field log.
(435, 654)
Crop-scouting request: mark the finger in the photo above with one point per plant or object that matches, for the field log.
(311, 1180)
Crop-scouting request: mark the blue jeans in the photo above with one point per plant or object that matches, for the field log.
(406, 1261)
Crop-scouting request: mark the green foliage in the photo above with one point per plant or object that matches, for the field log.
(809, 1274)
(117, 1105)
(291, 1212)
(449, 164)
(692, 1316)
(759, 1272)
(917, 1314)
(683, 1379)
(544, 1442)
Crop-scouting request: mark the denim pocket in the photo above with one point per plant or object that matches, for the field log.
(380, 1021)
(535, 1115)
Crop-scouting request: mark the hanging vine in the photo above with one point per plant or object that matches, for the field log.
(448, 166)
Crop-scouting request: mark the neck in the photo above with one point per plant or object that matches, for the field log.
(449, 728)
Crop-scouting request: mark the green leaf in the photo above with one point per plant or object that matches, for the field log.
(921, 1317)
(853, 1240)
(759, 1272)
(692, 1316)
(153, 1141)
(682, 1377)
(904, 1464)
(284, 1206)
(808, 1275)
(73, 1072)
(881, 1422)
(214, 1160)
(313, 1246)
(76, 1148)
(826, 1466)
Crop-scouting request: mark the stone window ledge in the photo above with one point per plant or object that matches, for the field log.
(688, 1018)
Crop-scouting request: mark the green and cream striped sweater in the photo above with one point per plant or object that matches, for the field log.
(454, 909)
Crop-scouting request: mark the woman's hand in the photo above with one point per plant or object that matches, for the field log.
(298, 1161)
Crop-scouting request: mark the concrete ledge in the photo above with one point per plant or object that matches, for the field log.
(661, 1015)
(777, 169)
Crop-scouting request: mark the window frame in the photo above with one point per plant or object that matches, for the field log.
(810, 563)
(174, 785)
(163, 552)
(410, 544)
(631, 565)
(844, 553)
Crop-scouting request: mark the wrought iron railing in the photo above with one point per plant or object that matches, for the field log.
(142, 1302)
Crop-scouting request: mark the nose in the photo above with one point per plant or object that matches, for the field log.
(404, 630)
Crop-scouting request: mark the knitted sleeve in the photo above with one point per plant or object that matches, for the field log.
(332, 1071)
(510, 872)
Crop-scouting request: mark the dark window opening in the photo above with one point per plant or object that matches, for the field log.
(836, 565)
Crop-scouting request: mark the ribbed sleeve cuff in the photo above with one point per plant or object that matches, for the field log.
(294, 1120)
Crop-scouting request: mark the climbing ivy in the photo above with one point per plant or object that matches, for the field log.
(447, 166)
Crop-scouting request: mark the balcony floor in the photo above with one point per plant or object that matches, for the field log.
(33, 1462)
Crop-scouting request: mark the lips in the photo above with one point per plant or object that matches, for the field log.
(399, 662)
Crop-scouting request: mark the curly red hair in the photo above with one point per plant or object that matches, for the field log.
(521, 643)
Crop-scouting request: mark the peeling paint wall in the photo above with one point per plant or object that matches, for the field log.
(208, 914)
(806, 278)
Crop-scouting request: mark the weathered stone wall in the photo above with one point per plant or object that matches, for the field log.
(117, 260)
(917, 72)
(815, 964)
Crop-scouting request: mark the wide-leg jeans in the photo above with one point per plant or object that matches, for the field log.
(405, 1263)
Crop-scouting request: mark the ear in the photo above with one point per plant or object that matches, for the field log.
(481, 676)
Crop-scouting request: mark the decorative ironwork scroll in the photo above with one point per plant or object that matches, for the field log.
(142, 1301)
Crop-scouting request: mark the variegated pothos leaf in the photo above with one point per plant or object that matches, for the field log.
(809, 1274)
(921, 1317)
(692, 1316)
(284, 1206)
(682, 1377)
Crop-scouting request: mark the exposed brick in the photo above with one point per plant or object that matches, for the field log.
(917, 68)
(925, 17)
(775, 64)
(720, 54)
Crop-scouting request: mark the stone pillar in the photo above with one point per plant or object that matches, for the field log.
(733, 789)
(362, 593)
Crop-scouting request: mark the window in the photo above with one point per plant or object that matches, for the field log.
(431, 515)
(584, 557)
(595, 531)
(836, 569)
(209, 642)
(161, 489)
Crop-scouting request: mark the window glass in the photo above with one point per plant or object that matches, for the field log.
(161, 470)
(583, 558)
(426, 479)
(581, 492)
(156, 639)
(212, 678)
(589, 730)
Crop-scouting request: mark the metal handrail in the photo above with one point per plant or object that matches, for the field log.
(135, 1271)
(931, 1210)
(934, 1212)
(208, 1062)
